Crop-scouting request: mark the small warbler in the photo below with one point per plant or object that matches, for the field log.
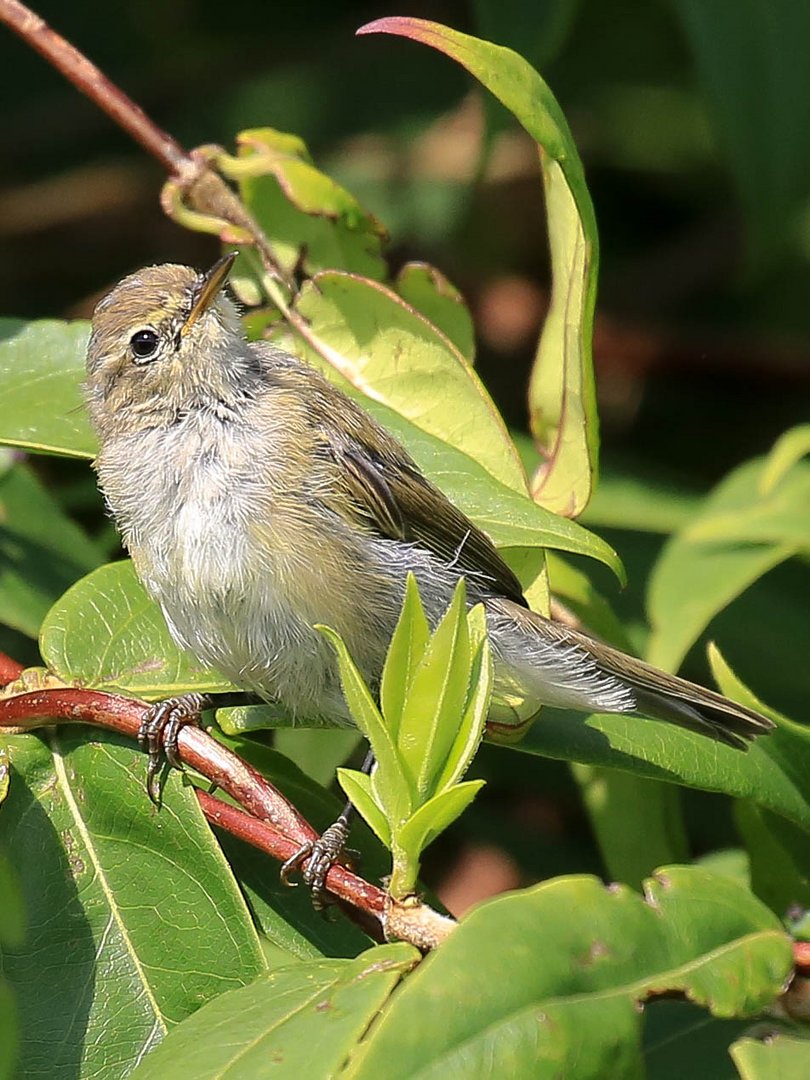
(258, 500)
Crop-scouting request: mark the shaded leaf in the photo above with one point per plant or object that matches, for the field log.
(783, 1054)
(435, 815)
(107, 634)
(154, 920)
(303, 212)
(427, 289)
(42, 551)
(737, 537)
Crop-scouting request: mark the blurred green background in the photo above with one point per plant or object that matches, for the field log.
(693, 120)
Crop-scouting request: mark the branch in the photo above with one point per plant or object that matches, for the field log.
(267, 819)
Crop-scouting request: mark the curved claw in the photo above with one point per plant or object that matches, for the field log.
(158, 733)
(317, 858)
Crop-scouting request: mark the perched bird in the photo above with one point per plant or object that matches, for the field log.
(257, 500)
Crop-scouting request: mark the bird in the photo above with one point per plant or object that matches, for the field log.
(258, 501)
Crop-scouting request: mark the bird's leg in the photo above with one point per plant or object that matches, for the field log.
(162, 723)
(320, 855)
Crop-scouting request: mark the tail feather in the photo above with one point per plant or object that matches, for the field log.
(662, 696)
(586, 664)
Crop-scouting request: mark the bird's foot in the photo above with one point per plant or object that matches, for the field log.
(159, 730)
(317, 858)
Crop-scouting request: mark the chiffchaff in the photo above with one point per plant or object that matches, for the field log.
(257, 500)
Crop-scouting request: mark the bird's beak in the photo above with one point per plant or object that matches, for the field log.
(208, 287)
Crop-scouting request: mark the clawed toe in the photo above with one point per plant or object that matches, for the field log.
(159, 730)
(317, 859)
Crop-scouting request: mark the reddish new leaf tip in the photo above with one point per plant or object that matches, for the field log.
(403, 26)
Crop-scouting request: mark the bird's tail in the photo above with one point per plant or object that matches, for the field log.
(568, 668)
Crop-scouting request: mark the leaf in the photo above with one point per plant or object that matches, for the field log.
(576, 590)
(389, 351)
(155, 923)
(774, 772)
(786, 452)
(576, 1013)
(41, 407)
(42, 551)
(407, 647)
(426, 289)
(392, 781)
(305, 215)
(436, 698)
(751, 62)
(781, 1054)
(736, 539)
(107, 634)
(359, 792)
(434, 816)
(470, 729)
(561, 395)
(301, 1021)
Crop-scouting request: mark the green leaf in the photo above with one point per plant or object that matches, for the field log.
(778, 855)
(427, 290)
(41, 406)
(359, 791)
(434, 816)
(305, 214)
(774, 772)
(786, 452)
(510, 519)
(436, 698)
(317, 753)
(301, 1021)
(389, 351)
(391, 781)
(738, 536)
(470, 729)
(404, 653)
(576, 1013)
(751, 61)
(576, 590)
(561, 395)
(782, 1054)
(644, 505)
(155, 923)
(12, 908)
(107, 634)
(42, 551)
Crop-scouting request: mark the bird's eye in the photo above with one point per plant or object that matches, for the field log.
(144, 345)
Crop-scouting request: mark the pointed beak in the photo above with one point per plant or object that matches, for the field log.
(208, 288)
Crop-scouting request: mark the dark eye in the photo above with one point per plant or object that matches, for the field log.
(144, 344)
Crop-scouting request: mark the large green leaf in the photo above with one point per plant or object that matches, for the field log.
(741, 532)
(428, 291)
(298, 1022)
(780, 1055)
(388, 350)
(107, 634)
(774, 772)
(134, 919)
(580, 958)
(561, 395)
(42, 551)
(41, 408)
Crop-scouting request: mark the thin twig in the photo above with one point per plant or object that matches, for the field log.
(92, 82)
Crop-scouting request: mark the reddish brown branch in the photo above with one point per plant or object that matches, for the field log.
(92, 82)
